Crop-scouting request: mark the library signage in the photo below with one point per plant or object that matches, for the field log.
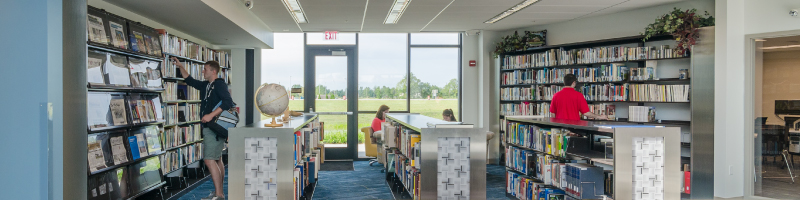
(331, 35)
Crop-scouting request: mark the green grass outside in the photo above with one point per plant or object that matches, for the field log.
(336, 125)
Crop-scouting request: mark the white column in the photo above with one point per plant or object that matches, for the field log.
(238, 79)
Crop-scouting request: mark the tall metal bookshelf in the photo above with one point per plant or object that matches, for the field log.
(694, 117)
(171, 183)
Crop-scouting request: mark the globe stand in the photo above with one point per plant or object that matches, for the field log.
(273, 124)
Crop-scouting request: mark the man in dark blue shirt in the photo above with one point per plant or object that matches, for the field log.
(213, 91)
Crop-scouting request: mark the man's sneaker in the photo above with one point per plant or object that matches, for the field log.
(212, 194)
(218, 198)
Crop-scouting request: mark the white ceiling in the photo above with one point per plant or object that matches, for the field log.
(421, 15)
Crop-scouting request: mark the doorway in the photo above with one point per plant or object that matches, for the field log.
(329, 77)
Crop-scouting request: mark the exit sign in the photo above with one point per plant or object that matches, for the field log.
(331, 35)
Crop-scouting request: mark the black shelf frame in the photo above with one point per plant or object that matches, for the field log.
(123, 127)
(517, 101)
(98, 46)
(183, 145)
(193, 60)
(97, 88)
(172, 79)
(109, 168)
(148, 190)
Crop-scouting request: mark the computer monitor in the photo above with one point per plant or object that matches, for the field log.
(787, 107)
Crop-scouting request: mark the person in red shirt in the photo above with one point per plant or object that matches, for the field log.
(569, 103)
(380, 117)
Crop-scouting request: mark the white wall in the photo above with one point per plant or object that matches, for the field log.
(628, 23)
(736, 19)
(470, 94)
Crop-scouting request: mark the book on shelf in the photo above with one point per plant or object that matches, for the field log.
(171, 114)
(144, 73)
(118, 38)
(641, 114)
(96, 29)
(607, 109)
(117, 70)
(142, 144)
(151, 142)
(118, 149)
(137, 42)
(659, 93)
(170, 91)
(134, 145)
(95, 61)
(99, 155)
(118, 112)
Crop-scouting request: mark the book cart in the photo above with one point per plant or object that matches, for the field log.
(144, 132)
(428, 158)
(275, 163)
(635, 82)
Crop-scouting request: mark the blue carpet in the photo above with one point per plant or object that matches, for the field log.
(205, 188)
(365, 182)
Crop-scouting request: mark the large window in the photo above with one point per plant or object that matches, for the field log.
(284, 65)
(434, 80)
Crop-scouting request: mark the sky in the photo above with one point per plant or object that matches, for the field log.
(382, 60)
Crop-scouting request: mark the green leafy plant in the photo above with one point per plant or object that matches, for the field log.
(515, 42)
(682, 25)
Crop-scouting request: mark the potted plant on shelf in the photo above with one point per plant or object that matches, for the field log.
(682, 25)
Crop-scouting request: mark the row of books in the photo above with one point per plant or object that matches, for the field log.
(123, 182)
(179, 135)
(603, 73)
(145, 108)
(222, 57)
(603, 92)
(607, 109)
(107, 109)
(525, 108)
(641, 114)
(110, 30)
(170, 91)
(178, 158)
(550, 141)
(171, 114)
(307, 157)
(110, 69)
(660, 93)
(526, 188)
(107, 149)
(593, 55)
(181, 47)
(192, 111)
(574, 177)
(408, 175)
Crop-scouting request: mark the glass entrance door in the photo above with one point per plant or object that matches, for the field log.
(328, 74)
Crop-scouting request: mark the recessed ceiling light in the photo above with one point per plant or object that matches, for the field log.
(522, 5)
(398, 7)
(294, 8)
(761, 40)
(285, 29)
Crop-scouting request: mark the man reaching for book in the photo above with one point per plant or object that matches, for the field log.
(214, 91)
(569, 103)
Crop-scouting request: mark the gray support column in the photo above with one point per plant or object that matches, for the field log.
(72, 121)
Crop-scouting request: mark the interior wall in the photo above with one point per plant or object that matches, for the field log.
(628, 23)
(737, 19)
(470, 93)
(146, 21)
(780, 72)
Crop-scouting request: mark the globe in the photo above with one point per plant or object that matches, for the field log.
(272, 100)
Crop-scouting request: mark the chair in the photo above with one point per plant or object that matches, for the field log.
(370, 147)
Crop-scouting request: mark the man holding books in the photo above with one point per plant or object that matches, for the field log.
(214, 92)
(569, 103)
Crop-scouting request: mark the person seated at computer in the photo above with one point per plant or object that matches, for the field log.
(569, 103)
(447, 115)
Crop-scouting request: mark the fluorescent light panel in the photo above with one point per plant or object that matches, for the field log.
(398, 7)
(522, 5)
(293, 6)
